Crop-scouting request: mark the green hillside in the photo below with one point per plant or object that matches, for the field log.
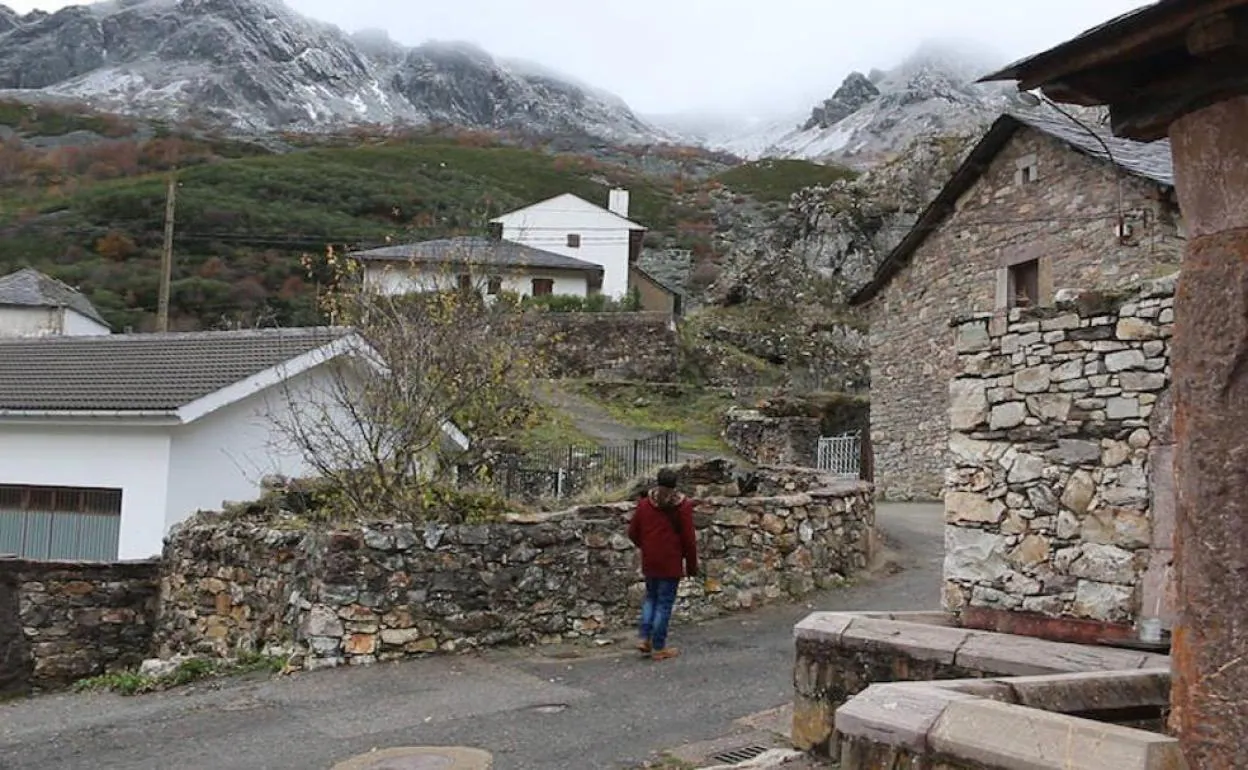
(243, 223)
(774, 180)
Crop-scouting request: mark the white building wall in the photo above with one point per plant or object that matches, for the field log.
(80, 326)
(601, 245)
(402, 278)
(224, 455)
(132, 459)
(28, 321)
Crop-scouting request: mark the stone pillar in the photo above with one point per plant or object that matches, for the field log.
(1210, 359)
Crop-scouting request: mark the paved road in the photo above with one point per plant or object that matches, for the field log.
(619, 709)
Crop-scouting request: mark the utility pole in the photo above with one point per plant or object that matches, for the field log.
(166, 256)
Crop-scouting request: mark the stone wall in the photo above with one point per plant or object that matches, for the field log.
(1066, 219)
(767, 440)
(63, 621)
(632, 346)
(1058, 419)
(787, 431)
(388, 590)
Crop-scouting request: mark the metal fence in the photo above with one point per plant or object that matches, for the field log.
(841, 455)
(574, 470)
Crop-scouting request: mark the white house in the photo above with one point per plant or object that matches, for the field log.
(108, 441)
(491, 265)
(574, 227)
(34, 305)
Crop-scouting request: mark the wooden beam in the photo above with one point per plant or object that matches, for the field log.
(1160, 27)
(1147, 116)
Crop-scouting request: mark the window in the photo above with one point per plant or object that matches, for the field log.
(60, 522)
(1024, 284)
(495, 286)
(1027, 170)
(574, 240)
(543, 287)
(465, 282)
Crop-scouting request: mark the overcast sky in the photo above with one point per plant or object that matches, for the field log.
(732, 55)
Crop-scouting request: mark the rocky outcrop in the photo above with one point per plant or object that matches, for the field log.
(1054, 418)
(257, 65)
(852, 96)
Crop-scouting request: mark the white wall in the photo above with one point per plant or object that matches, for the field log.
(79, 325)
(224, 455)
(28, 321)
(402, 278)
(604, 237)
(132, 459)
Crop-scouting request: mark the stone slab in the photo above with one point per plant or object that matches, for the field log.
(895, 714)
(987, 733)
(1092, 690)
(1005, 655)
(824, 627)
(919, 641)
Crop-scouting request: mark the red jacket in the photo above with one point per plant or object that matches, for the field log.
(662, 549)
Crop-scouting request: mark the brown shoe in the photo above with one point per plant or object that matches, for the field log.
(664, 654)
(643, 646)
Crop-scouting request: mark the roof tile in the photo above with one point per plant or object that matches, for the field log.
(141, 372)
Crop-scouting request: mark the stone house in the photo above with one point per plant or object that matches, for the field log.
(1040, 204)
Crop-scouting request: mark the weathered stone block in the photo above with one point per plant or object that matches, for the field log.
(1103, 601)
(1035, 379)
(1104, 564)
(968, 404)
(1123, 360)
(972, 508)
(1008, 415)
(974, 555)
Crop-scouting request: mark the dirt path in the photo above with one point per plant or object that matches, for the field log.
(590, 418)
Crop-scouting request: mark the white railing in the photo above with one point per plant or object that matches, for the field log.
(840, 455)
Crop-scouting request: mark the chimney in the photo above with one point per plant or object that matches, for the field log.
(617, 202)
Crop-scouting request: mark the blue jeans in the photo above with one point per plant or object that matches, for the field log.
(656, 611)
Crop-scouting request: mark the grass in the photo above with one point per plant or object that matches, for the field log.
(191, 670)
(776, 180)
(551, 430)
(690, 411)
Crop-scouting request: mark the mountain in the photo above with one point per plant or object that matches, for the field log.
(871, 118)
(257, 66)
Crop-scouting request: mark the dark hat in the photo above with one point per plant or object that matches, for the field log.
(668, 478)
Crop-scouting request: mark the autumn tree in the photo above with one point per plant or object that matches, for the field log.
(434, 366)
(115, 246)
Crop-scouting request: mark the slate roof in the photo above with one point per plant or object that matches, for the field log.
(141, 372)
(472, 250)
(30, 288)
(1151, 161)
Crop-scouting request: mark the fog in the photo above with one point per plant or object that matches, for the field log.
(756, 57)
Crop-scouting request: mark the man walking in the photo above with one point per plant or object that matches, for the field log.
(662, 527)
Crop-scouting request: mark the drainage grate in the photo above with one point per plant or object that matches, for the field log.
(737, 756)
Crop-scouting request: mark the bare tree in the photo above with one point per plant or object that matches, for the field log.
(429, 363)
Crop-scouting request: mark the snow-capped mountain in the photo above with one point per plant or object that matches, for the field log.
(872, 117)
(256, 65)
